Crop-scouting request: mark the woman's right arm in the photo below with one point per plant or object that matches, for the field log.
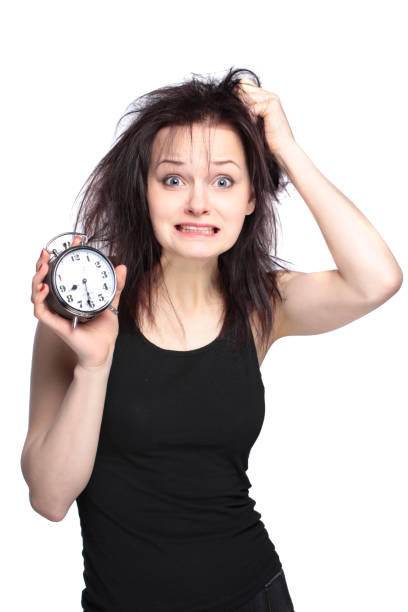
(66, 408)
(69, 376)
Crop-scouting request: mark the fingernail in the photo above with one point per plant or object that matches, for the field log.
(42, 251)
(42, 286)
(40, 267)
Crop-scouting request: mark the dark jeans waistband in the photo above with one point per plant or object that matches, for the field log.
(273, 597)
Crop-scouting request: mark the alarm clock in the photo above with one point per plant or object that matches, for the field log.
(82, 281)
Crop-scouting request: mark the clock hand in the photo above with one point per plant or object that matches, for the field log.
(86, 288)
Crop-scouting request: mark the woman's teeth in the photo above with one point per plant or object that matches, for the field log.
(197, 230)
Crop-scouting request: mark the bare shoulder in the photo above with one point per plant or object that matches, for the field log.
(281, 278)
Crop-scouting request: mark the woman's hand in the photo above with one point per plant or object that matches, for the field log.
(94, 340)
(267, 105)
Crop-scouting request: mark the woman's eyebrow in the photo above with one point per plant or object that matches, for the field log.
(181, 163)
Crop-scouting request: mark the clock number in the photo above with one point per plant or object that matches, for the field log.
(69, 298)
(105, 286)
(98, 264)
(91, 304)
(104, 274)
(80, 304)
(100, 297)
(62, 288)
(75, 256)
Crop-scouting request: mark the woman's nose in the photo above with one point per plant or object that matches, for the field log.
(198, 198)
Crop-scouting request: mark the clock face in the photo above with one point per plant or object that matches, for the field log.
(84, 280)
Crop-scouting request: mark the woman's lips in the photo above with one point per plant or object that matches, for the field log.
(196, 234)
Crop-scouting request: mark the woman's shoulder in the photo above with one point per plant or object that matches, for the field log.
(254, 322)
(281, 277)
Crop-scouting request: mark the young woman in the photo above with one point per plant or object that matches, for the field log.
(146, 415)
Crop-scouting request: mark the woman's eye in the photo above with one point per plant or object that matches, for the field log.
(170, 177)
(221, 178)
(226, 178)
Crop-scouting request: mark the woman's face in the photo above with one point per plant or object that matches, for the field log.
(193, 192)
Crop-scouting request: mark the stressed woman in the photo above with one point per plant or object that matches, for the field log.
(146, 419)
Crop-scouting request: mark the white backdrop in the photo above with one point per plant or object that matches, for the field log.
(329, 468)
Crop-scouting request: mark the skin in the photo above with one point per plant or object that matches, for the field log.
(192, 194)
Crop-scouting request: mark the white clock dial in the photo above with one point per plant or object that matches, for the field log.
(84, 280)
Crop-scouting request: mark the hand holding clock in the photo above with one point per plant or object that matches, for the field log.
(94, 341)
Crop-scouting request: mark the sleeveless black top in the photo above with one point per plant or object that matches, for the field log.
(166, 520)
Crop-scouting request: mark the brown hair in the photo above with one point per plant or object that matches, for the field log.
(114, 208)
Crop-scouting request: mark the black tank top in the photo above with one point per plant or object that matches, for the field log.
(166, 520)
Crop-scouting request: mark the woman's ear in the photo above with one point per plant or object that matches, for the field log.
(251, 204)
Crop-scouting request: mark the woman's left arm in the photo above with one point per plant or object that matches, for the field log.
(367, 273)
(362, 257)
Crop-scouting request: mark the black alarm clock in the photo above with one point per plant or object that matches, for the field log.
(82, 281)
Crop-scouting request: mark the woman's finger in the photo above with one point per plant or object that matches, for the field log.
(120, 272)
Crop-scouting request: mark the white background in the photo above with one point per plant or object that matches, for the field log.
(329, 468)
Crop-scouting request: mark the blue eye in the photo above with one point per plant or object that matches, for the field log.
(167, 177)
(228, 179)
(172, 176)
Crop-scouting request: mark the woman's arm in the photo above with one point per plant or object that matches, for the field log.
(66, 407)
(363, 259)
(367, 273)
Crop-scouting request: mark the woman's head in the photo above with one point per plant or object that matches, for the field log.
(126, 206)
(198, 176)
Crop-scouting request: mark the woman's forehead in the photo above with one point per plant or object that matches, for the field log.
(182, 143)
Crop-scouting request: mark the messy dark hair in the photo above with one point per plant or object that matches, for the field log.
(115, 216)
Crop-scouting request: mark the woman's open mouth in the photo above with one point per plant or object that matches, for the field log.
(191, 230)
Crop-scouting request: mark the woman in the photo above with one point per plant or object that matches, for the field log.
(146, 419)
